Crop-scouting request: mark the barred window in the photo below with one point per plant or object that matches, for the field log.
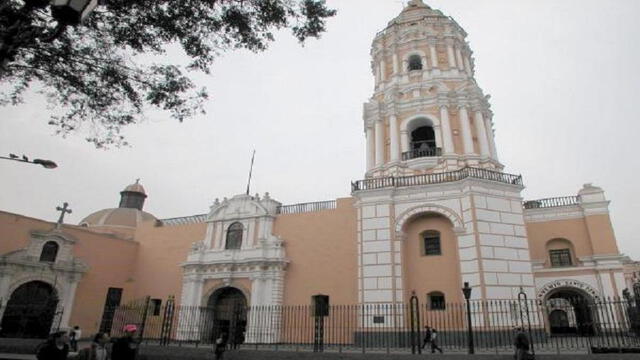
(234, 236)
(49, 252)
(436, 300)
(432, 243)
(560, 257)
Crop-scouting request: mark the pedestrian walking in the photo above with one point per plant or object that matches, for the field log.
(74, 336)
(220, 346)
(427, 336)
(55, 348)
(98, 350)
(126, 347)
(434, 341)
(521, 344)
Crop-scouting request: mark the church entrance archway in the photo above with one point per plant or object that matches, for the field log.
(30, 311)
(228, 307)
(570, 312)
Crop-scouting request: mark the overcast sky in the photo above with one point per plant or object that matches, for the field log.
(564, 80)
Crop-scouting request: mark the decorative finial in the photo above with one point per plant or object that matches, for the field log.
(137, 180)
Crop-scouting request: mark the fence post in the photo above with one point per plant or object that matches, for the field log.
(167, 321)
(522, 296)
(144, 318)
(414, 308)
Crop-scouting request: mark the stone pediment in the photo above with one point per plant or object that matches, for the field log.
(242, 206)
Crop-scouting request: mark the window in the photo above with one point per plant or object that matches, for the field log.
(49, 252)
(415, 62)
(436, 301)
(156, 304)
(432, 243)
(378, 319)
(234, 236)
(560, 257)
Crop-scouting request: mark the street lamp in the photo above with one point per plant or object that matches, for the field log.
(47, 164)
(466, 291)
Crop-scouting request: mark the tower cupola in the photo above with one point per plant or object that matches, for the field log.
(133, 196)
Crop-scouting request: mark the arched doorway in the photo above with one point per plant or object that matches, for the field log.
(228, 314)
(30, 311)
(570, 312)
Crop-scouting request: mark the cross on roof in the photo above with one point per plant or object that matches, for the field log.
(63, 210)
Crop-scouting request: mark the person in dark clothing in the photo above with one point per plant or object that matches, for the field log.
(126, 347)
(55, 348)
(434, 341)
(521, 344)
(220, 346)
(427, 336)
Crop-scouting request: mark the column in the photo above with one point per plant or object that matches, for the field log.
(394, 137)
(404, 141)
(67, 305)
(483, 140)
(447, 140)
(383, 69)
(492, 144)
(379, 143)
(395, 63)
(434, 55)
(459, 58)
(370, 148)
(467, 66)
(467, 139)
(451, 56)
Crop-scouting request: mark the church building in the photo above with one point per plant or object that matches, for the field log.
(433, 211)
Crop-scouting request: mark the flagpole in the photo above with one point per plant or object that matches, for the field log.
(251, 171)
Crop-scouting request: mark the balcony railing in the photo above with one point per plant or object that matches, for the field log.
(438, 178)
(552, 202)
(420, 153)
(306, 207)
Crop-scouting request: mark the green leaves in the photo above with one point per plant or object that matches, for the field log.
(106, 73)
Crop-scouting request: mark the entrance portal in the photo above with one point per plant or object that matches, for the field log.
(30, 311)
(228, 307)
(570, 312)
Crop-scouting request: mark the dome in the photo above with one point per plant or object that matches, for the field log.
(135, 188)
(117, 217)
(126, 217)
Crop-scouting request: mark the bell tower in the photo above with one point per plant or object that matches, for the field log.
(435, 210)
(427, 113)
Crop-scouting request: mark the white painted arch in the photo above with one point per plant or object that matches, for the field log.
(409, 214)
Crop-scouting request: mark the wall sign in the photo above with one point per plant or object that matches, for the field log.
(566, 283)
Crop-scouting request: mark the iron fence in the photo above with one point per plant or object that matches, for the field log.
(554, 326)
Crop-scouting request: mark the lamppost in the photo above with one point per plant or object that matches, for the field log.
(466, 291)
(48, 164)
(21, 30)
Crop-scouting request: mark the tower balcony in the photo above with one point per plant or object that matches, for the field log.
(436, 178)
(422, 153)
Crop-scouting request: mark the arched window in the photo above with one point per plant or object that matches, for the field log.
(431, 239)
(49, 252)
(560, 252)
(560, 257)
(436, 300)
(234, 236)
(415, 62)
